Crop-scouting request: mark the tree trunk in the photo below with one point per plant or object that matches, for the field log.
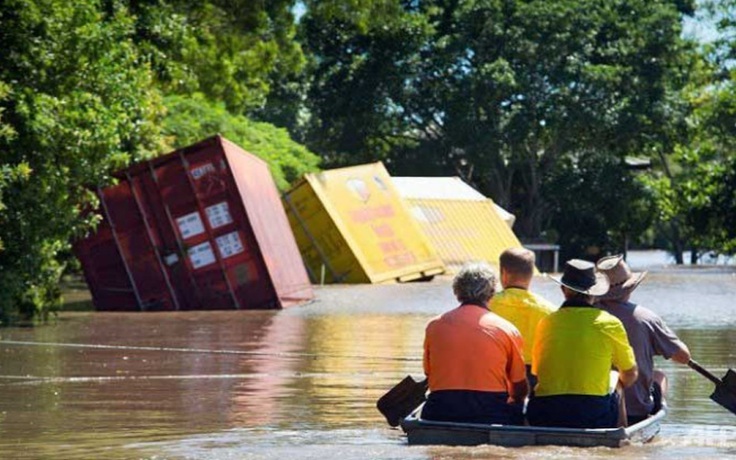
(678, 246)
(693, 256)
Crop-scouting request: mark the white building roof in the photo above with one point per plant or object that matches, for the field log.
(443, 188)
(436, 188)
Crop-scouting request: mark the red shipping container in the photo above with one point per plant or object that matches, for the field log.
(200, 228)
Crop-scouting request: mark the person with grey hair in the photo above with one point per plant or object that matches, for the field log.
(473, 358)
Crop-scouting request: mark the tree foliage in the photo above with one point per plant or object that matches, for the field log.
(496, 91)
(234, 51)
(536, 103)
(365, 58)
(191, 119)
(80, 104)
(622, 210)
(694, 188)
(82, 97)
(698, 193)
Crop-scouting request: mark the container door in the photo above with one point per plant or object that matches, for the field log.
(136, 247)
(178, 183)
(171, 252)
(231, 235)
(105, 271)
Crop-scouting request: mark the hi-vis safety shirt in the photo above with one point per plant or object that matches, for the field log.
(470, 348)
(524, 310)
(574, 350)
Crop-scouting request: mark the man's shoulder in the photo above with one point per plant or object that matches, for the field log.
(436, 319)
(607, 317)
(589, 315)
(629, 311)
(542, 304)
(507, 295)
(522, 298)
(610, 324)
(645, 314)
(494, 320)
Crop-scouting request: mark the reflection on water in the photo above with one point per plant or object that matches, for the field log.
(302, 383)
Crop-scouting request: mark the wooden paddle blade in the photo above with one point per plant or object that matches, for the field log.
(402, 399)
(725, 393)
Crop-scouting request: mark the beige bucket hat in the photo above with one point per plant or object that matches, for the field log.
(623, 280)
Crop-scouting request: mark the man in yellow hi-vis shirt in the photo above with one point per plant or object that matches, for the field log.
(516, 303)
(573, 353)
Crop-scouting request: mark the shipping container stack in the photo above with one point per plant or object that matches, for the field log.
(352, 227)
(461, 223)
(200, 228)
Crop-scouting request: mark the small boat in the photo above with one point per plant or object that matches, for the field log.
(427, 432)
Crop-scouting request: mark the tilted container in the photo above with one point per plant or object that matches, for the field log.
(200, 228)
(351, 227)
(463, 224)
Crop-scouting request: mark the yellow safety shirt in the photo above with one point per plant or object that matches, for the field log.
(524, 310)
(575, 348)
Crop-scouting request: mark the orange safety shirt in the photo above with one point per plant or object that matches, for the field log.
(470, 348)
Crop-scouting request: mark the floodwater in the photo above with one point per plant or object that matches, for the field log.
(302, 382)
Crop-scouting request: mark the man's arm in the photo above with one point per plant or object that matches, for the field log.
(624, 359)
(666, 342)
(682, 355)
(628, 377)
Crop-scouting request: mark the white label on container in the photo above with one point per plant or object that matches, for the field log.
(218, 214)
(190, 225)
(229, 245)
(200, 171)
(201, 255)
(171, 259)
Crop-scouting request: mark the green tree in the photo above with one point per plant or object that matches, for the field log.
(236, 51)
(365, 57)
(693, 183)
(498, 92)
(696, 193)
(9, 174)
(192, 118)
(80, 103)
(622, 207)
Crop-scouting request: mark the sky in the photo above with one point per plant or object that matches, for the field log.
(701, 28)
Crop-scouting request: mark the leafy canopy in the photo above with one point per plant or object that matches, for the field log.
(192, 118)
(80, 103)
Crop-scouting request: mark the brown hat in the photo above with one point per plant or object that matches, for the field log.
(580, 276)
(623, 280)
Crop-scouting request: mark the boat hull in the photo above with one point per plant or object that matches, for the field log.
(426, 432)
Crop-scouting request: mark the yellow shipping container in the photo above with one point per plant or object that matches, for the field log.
(352, 227)
(462, 224)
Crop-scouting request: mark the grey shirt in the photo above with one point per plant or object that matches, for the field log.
(648, 336)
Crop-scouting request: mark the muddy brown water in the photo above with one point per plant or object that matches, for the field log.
(302, 382)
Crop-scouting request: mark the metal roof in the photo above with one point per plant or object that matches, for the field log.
(444, 188)
(436, 188)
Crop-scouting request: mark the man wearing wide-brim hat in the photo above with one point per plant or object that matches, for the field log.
(648, 335)
(574, 350)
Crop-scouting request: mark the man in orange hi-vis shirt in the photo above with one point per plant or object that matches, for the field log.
(473, 358)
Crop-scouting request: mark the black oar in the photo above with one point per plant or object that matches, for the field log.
(725, 392)
(402, 399)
